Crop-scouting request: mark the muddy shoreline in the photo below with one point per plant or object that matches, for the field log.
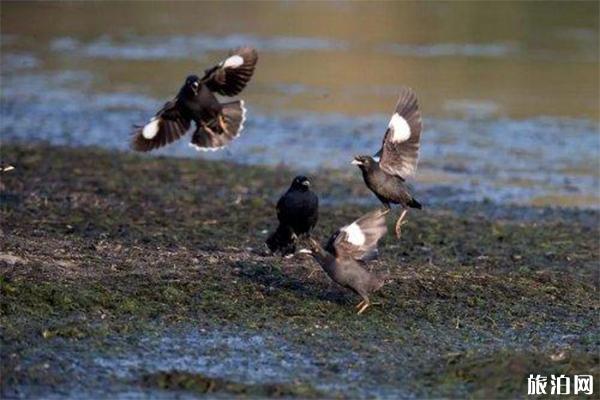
(108, 257)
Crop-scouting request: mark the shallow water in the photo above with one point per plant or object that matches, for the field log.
(248, 357)
(509, 91)
(116, 366)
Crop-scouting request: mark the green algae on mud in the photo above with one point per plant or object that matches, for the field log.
(101, 245)
(176, 380)
(504, 373)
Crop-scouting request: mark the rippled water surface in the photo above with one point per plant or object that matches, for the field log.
(509, 91)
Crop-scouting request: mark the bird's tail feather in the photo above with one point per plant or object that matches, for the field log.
(413, 203)
(234, 114)
(378, 281)
(217, 133)
(382, 279)
(282, 241)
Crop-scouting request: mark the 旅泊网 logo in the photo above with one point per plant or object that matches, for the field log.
(560, 384)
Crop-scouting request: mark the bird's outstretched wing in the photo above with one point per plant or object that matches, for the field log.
(359, 239)
(400, 150)
(165, 127)
(231, 75)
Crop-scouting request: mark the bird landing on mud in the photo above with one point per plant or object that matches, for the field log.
(196, 109)
(397, 159)
(348, 250)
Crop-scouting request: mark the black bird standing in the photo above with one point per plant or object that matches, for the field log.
(196, 108)
(348, 249)
(297, 212)
(398, 157)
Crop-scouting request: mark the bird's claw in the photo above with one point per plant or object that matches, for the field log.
(398, 228)
(222, 124)
(208, 129)
(365, 305)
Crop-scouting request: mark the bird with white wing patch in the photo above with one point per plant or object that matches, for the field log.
(385, 173)
(355, 235)
(197, 110)
(348, 250)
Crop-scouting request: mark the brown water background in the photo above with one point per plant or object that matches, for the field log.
(509, 90)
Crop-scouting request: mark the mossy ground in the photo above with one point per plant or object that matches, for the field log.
(100, 245)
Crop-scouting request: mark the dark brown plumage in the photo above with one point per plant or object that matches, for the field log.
(398, 155)
(348, 250)
(196, 108)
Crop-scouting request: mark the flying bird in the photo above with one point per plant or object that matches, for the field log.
(297, 212)
(397, 159)
(348, 250)
(6, 167)
(196, 108)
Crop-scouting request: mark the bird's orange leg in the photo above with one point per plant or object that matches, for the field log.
(359, 305)
(221, 121)
(400, 223)
(364, 307)
(208, 129)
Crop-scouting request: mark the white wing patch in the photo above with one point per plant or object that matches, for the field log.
(355, 234)
(400, 128)
(151, 128)
(233, 62)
